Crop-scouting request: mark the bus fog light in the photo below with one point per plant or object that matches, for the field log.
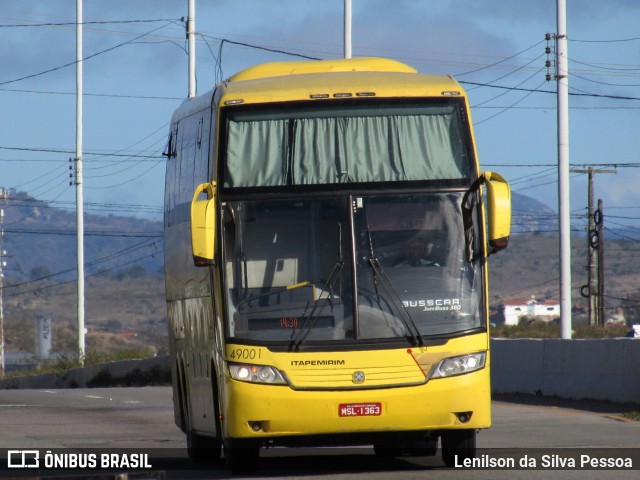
(255, 426)
(464, 417)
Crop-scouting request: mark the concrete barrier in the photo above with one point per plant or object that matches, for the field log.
(147, 371)
(607, 369)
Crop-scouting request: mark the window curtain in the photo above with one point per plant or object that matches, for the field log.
(256, 153)
(345, 149)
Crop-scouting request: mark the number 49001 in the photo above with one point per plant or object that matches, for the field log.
(246, 354)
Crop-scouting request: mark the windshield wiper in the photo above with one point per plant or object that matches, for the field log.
(298, 337)
(379, 273)
(409, 324)
(469, 203)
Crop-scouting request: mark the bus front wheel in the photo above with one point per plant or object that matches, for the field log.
(203, 449)
(457, 443)
(240, 456)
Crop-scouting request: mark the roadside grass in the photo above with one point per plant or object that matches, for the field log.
(65, 362)
(632, 415)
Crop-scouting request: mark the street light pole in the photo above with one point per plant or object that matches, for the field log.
(2, 254)
(347, 28)
(191, 26)
(78, 181)
(562, 77)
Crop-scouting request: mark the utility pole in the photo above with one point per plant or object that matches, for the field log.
(347, 28)
(600, 263)
(562, 78)
(592, 289)
(78, 181)
(2, 265)
(191, 27)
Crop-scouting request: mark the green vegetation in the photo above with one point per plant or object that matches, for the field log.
(65, 362)
(632, 415)
(552, 330)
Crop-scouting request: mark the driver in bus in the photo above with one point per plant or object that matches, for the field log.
(416, 253)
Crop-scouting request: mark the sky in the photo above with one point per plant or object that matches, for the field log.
(135, 74)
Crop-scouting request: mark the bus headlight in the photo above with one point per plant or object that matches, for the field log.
(256, 374)
(452, 366)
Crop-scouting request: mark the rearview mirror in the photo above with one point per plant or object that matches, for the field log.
(203, 225)
(498, 211)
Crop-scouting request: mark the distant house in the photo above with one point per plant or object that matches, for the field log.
(531, 308)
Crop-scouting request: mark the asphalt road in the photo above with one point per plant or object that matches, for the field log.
(141, 419)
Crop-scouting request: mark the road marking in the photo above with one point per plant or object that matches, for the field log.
(18, 405)
(92, 396)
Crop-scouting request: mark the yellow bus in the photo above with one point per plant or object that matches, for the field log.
(327, 227)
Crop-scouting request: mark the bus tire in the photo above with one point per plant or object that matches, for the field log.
(384, 450)
(422, 448)
(203, 449)
(182, 397)
(407, 447)
(460, 443)
(239, 456)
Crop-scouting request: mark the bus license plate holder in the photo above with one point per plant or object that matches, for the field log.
(370, 409)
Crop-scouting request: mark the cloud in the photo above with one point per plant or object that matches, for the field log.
(521, 11)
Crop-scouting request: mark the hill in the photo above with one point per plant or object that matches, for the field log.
(532, 216)
(124, 288)
(125, 305)
(40, 240)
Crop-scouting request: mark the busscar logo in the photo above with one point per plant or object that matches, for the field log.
(23, 459)
(434, 304)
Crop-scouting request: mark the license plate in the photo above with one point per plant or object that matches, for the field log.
(360, 409)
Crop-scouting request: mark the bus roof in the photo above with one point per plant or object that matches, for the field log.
(343, 78)
(279, 69)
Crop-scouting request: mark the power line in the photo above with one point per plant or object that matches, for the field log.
(511, 106)
(515, 71)
(612, 69)
(106, 95)
(70, 152)
(125, 251)
(604, 83)
(259, 47)
(101, 272)
(632, 39)
(501, 61)
(95, 233)
(584, 94)
(95, 22)
(157, 164)
(114, 207)
(60, 67)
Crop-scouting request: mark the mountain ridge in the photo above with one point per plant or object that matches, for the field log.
(40, 238)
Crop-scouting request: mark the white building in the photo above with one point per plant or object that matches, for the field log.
(533, 309)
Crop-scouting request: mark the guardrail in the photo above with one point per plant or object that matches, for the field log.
(148, 371)
(607, 369)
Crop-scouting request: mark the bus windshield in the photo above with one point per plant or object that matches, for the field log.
(324, 144)
(350, 267)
